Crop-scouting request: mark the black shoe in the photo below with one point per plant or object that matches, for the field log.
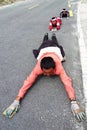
(53, 36)
(45, 37)
(46, 34)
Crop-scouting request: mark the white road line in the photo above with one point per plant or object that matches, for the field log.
(34, 6)
(83, 57)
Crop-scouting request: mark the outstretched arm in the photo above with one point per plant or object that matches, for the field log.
(67, 84)
(15, 106)
(76, 108)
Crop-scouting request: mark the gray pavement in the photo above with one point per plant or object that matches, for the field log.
(83, 19)
(38, 115)
(82, 31)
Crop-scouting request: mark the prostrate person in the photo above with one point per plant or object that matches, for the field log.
(64, 13)
(55, 23)
(50, 56)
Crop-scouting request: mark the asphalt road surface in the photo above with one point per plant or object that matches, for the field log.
(46, 105)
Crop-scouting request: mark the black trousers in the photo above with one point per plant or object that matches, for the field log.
(48, 43)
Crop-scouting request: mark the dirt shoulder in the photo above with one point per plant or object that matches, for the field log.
(6, 2)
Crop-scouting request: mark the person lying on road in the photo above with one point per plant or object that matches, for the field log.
(55, 23)
(50, 56)
(64, 13)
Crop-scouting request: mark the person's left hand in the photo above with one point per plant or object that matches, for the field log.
(78, 111)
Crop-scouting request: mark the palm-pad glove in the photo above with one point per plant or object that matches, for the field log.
(54, 30)
(12, 109)
(78, 111)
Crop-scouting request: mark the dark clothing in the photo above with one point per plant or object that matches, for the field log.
(48, 43)
(64, 14)
(54, 26)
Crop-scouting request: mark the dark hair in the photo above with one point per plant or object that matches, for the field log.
(64, 9)
(47, 63)
(53, 17)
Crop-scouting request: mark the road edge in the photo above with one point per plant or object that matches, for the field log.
(83, 56)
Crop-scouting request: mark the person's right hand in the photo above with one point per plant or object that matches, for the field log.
(12, 109)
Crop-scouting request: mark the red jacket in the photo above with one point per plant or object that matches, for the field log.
(57, 25)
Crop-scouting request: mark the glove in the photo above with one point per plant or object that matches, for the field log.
(54, 29)
(78, 111)
(12, 109)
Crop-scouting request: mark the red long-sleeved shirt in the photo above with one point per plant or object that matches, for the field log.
(59, 70)
(58, 23)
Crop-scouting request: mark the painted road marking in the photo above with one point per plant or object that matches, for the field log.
(83, 57)
(69, 4)
(34, 6)
(70, 11)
